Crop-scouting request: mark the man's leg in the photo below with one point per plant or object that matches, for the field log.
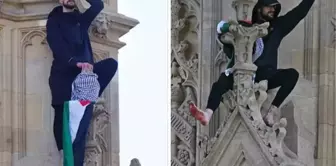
(58, 126)
(79, 143)
(220, 87)
(286, 79)
(105, 70)
(58, 129)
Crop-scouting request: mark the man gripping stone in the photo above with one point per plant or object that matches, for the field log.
(267, 62)
(68, 38)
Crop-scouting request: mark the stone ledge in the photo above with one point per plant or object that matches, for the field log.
(106, 29)
(21, 10)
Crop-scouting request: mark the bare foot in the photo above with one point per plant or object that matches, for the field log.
(202, 116)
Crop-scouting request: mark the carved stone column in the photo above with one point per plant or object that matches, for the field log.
(25, 60)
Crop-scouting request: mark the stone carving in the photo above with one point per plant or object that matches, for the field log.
(333, 22)
(185, 155)
(276, 141)
(207, 143)
(248, 97)
(255, 102)
(96, 143)
(135, 162)
(229, 99)
(106, 23)
(184, 80)
(100, 26)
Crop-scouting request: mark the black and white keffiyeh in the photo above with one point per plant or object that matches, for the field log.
(85, 87)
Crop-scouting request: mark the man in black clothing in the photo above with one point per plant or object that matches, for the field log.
(68, 38)
(286, 79)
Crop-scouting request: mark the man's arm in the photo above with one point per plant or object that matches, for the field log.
(57, 44)
(91, 13)
(292, 18)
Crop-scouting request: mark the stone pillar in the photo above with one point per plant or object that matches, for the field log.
(5, 97)
(25, 60)
(326, 84)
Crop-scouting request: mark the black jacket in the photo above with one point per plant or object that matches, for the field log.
(280, 27)
(68, 38)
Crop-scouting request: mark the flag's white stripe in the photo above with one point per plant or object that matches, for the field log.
(76, 111)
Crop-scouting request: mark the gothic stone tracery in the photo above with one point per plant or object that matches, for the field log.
(184, 76)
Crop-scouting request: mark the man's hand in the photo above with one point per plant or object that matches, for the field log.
(85, 66)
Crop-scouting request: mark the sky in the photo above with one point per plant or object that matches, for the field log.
(144, 88)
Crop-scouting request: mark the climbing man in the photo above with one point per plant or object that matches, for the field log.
(267, 62)
(68, 39)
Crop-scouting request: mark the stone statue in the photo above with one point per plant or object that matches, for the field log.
(135, 162)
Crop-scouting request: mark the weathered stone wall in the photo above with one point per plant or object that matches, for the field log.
(185, 83)
(26, 116)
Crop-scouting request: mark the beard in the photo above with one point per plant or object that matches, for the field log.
(268, 16)
(69, 5)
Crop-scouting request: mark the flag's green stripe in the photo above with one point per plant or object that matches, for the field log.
(68, 159)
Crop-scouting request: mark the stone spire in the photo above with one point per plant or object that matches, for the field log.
(244, 70)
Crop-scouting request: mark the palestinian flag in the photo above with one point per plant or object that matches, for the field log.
(72, 115)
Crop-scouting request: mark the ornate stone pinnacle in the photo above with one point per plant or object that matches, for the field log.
(245, 36)
(243, 9)
(243, 39)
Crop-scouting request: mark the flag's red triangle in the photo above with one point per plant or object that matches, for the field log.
(84, 102)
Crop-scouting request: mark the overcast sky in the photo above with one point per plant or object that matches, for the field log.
(144, 86)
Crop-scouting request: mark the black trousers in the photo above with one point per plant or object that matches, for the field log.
(286, 79)
(105, 70)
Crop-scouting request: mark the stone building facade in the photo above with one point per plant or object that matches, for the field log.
(26, 117)
(196, 62)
